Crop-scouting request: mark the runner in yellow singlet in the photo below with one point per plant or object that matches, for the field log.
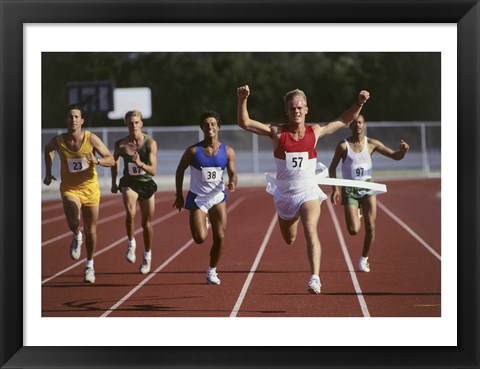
(79, 186)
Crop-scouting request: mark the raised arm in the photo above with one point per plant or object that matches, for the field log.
(378, 146)
(345, 118)
(243, 119)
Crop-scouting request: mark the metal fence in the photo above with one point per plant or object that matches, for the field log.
(254, 153)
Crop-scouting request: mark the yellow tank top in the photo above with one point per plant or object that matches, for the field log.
(74, 168)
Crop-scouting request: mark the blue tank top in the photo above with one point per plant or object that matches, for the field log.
(206, 172)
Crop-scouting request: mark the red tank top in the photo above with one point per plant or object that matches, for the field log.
(287, 144)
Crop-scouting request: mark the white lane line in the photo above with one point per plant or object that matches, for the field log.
(156, 271)
(253, 269)
(121, 240)
(145, 280)
(353, 276)
(409, 230)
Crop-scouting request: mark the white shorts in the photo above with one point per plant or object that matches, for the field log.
(206, 202)
(288, 205)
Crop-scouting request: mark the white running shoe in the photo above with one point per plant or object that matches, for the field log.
(145, 266)
(76, 246)
(212, 278)
(89, 275)
(363, 265)
(130, 254)
(314, 286)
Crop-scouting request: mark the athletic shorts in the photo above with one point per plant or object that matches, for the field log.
(354, 195)
(88, 195)
(288, 205)
(144, 189)
(204, 203)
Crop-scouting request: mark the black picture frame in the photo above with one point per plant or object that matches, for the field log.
(14, 14)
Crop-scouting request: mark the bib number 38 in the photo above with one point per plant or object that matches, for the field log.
(212, 174)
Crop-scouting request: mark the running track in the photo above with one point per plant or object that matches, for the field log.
(261, 275)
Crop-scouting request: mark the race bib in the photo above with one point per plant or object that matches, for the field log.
(135, 170)
(212, 174)
(296, 160)
(360, 172)
(77, 165)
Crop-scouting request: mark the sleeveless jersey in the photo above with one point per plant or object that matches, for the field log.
(131, 170)
(357, 165)
(74, 168)
(295, 160)
(206, 172)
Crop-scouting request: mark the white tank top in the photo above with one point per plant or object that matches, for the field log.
(357, 165)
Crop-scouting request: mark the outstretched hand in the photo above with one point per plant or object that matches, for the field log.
(243, 92)
(231, 186)
(335, 196)
(404, 147)
(91, 158)
(363, 96)
(179, 202)
(48, 180)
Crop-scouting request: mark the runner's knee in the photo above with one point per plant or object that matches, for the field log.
(353, 230)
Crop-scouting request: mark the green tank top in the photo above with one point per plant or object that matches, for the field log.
(130, 169)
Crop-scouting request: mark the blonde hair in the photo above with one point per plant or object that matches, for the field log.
(133, 113)
(293, 94)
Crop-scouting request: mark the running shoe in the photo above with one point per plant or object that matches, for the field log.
(314, 286)
(363, 265)
(145, 266)
(89, 275)
(130, 254)
(212, 278)
(76, 246)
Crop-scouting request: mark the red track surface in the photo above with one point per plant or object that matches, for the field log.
(405, 277)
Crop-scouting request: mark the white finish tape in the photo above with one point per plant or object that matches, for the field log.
(322, 178)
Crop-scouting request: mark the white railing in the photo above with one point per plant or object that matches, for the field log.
(254, 153)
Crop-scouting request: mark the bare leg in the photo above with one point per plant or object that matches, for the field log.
(71, 207)
(288, 229)
(310, 214)
(130, 201)
(218, 219)
(90, 217)
(198, 224)
(147, 207)
(352, 220)
(369, 207)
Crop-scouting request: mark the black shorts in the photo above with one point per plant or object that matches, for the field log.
(144, 189)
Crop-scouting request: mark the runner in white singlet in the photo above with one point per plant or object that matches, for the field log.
(355, 152)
